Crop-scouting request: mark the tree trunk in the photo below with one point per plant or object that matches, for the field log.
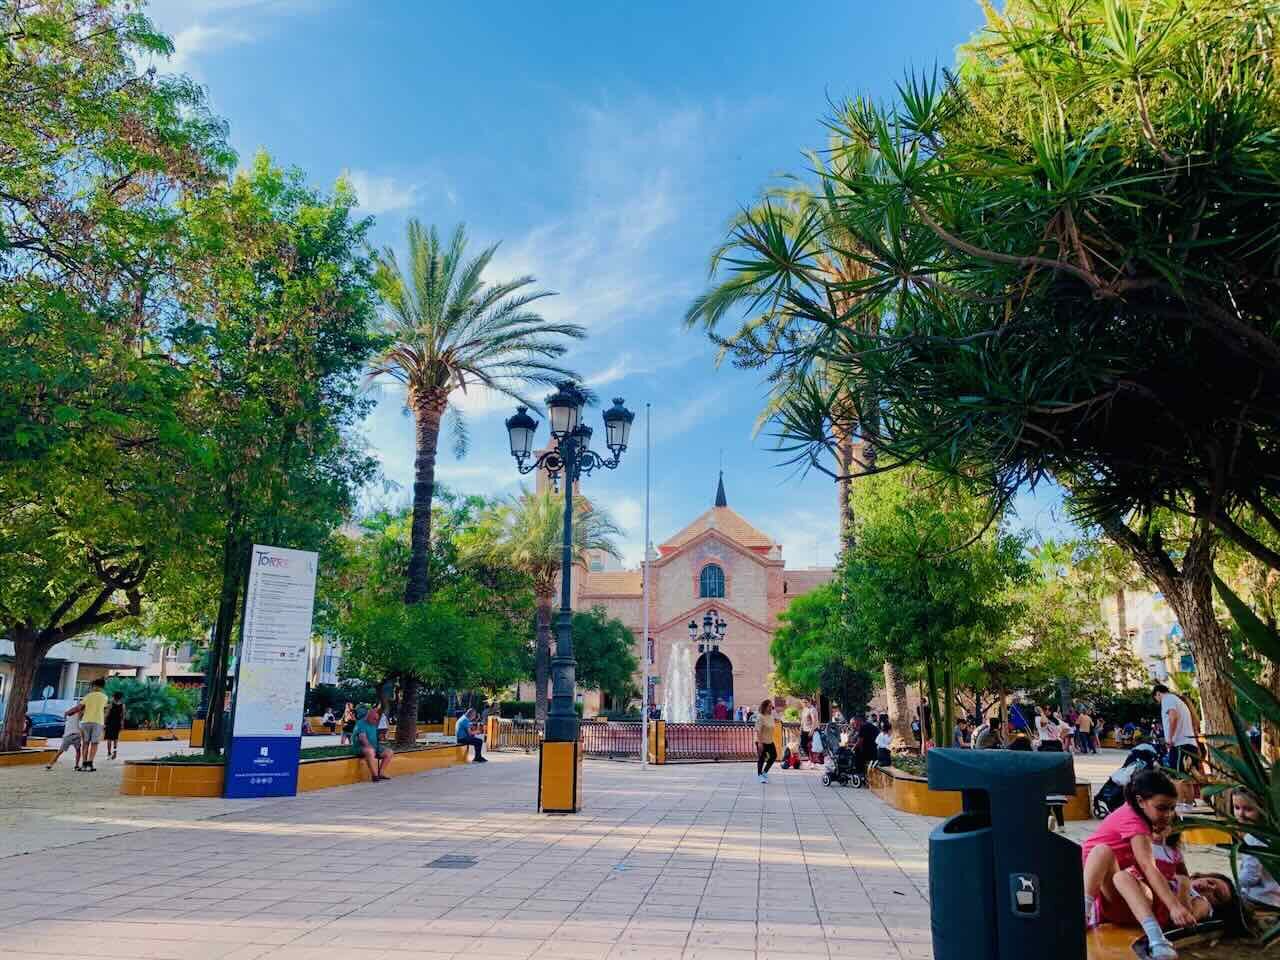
(407, 717)
(1122, 615)
(1189, 590)
(1192, 601)
(427, 412)
(1269, 725)
(929, 731)
(895, 692)
(542, 657)
(949, 707)
(233, 571)
(27, 654)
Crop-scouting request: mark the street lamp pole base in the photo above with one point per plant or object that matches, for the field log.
(560, 777)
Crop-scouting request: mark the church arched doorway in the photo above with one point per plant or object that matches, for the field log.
(714, 685)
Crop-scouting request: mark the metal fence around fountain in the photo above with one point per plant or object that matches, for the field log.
(712, 740)
(611, 739)
(523, 735)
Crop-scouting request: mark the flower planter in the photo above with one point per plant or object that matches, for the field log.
(911, 794)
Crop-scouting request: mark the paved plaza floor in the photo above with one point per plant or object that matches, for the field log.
(683, 862)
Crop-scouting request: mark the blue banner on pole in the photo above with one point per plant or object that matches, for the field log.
(263, 767)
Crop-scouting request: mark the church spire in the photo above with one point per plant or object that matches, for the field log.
(720, 498)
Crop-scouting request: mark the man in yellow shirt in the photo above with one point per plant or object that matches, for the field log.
(92, 716)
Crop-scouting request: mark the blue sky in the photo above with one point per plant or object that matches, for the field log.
(605, 146)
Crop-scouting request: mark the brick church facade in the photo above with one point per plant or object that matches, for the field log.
(720, 562)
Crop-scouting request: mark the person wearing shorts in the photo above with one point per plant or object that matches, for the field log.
(71, 737)
(93, 718)
(364, 744)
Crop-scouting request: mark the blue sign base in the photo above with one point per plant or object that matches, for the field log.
(262, 767)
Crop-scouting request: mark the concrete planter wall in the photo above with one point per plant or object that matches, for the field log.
(152, 778)
(911, 794)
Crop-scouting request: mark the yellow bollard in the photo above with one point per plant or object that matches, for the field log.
(560, 777)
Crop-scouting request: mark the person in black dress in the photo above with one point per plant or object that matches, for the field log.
(115, 723)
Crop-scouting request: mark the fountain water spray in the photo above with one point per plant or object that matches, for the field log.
(678, 695)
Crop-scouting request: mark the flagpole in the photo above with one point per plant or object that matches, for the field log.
(644, 568)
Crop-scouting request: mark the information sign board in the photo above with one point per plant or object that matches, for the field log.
(271, 674)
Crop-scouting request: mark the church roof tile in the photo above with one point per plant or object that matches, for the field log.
(727, 522)
(613, 583)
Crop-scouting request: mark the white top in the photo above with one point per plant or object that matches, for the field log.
(383, 722)
(1256, 882)
(883, 740)
(1186, 731)
(809, 719)
(71, 726)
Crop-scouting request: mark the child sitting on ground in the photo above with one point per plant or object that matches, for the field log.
(1257, 886)
(1134, 875)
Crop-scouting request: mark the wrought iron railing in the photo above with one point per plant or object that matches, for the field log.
(611, 739)
(522, 735)
(711, 740)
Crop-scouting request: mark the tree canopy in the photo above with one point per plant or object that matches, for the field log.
(1069, 268)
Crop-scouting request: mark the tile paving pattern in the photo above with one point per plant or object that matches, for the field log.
(684, 862)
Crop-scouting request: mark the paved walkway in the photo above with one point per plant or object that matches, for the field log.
(695, 862)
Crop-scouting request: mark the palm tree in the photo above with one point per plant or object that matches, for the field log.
(448, 329)
(526, 532)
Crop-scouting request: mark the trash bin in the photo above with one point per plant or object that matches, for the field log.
(1001, 886)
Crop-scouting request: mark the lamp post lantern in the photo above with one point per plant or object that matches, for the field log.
(708, 642)
(569, 458)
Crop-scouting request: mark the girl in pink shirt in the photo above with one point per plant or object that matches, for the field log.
(1123, 841)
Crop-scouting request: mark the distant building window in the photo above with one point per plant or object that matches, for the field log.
(711, 581)
(597, 566)
(82, 688)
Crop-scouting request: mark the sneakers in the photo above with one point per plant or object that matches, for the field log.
(480, 760)
(764, 778)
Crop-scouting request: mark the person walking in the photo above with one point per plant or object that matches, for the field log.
(92, 719)
(1084, 733)
(883, 742)
(71, 738)
(766, 750)
(808, 724)
(114, 724)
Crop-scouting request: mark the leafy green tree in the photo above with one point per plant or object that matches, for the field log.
(448, 329)
(605, 650)
(927, 578)
(807, 656)
(363, 581)
(92, 444)
(526, 533)
(1058, 237)
(277, 320)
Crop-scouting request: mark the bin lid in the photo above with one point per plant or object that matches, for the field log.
(1001, 770)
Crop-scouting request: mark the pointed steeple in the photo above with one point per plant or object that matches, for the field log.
(720, 498)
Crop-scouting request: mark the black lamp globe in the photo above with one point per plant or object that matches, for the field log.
(617, 426)
(521, 428)
(583, 434)
(564, 407)
(693, 629)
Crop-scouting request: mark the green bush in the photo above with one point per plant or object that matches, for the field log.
(153, 703)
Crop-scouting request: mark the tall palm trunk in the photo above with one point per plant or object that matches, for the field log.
(542, 655)
(1122, 614)
(427, 413)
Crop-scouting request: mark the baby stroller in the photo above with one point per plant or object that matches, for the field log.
(1142, 757)
(842, 764)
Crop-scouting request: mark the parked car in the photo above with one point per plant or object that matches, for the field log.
(46, 724)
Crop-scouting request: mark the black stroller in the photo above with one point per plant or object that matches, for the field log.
(1142, 757)
(842, 764)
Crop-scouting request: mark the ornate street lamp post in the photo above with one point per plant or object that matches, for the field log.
(569, 458)
(708, 642)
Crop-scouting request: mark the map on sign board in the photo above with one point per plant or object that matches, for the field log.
(272, 664)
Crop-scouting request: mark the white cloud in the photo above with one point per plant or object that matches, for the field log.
(809, 538)
(381, 194)
(198, 38)
(602, 255)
